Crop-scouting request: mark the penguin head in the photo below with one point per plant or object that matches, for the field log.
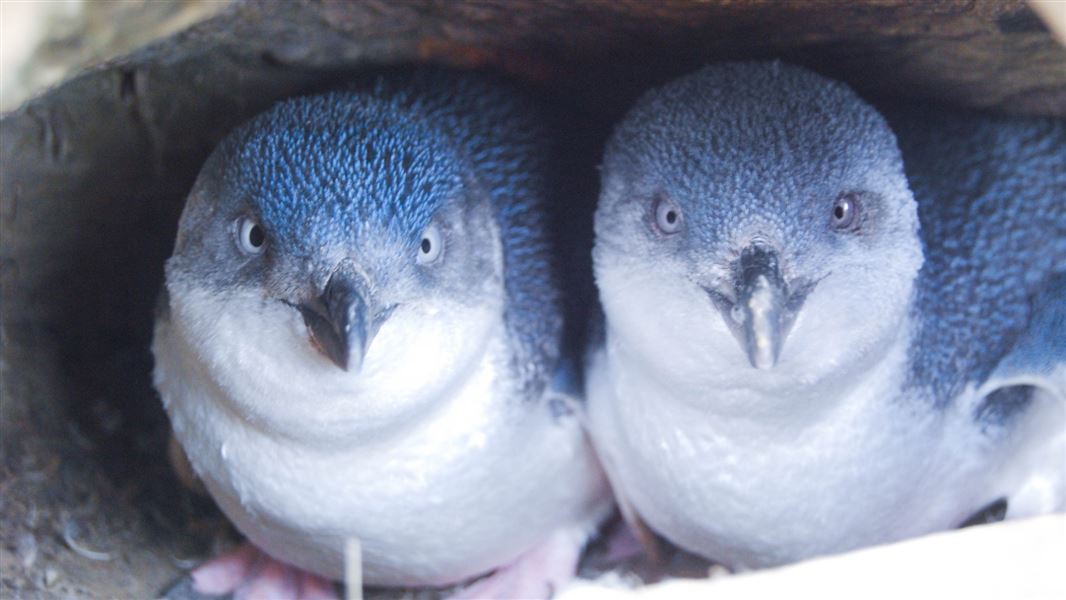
(754, 217)
(337, 243)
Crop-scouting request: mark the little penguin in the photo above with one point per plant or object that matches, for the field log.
(363, 336)
(814, 341)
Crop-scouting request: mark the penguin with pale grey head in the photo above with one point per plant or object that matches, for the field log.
(816, 337)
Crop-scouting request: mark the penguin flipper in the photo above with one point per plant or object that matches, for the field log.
(1030, 381)
(1038, 357)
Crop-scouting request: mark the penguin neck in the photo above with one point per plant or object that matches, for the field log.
(731, 391)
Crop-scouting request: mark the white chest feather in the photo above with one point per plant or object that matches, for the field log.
(440, 477)
(854, 466)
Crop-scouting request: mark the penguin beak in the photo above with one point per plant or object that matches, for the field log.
(764, 310)
(342, 320)
(761, 298)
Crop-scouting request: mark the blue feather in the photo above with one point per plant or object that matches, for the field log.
(991, 193)
(321, 168)
(1042, 346)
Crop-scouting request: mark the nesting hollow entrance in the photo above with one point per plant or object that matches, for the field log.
(95, 170)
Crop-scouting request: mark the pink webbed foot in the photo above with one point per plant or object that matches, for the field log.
(539, 573)
(249, 574)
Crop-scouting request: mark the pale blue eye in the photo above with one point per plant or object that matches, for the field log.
(845, 213)
(667, 216)
(250, 236)
(431, 246)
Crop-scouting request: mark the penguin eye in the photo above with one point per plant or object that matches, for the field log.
(667, 216)
(845, 214)
(250, 236)
(431, 246)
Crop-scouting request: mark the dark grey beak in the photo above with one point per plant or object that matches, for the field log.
(341, 320)
(764, 307)
(761, 297)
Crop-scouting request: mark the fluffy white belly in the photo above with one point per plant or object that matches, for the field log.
(468, 486)
(757, 490)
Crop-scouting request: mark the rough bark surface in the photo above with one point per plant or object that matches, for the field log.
(93, 174)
